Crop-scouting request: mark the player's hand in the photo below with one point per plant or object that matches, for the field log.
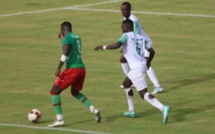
(60, 36)
(57, 72)
(98, 48)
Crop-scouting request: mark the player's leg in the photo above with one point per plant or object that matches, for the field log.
(86, 102)
(151, 99)
(125, 67)
(154, 80)
(154, 102)
(130, 99)
(61, 83)
(77, 86)
(138, 79)
(124, 64)
(56, 101)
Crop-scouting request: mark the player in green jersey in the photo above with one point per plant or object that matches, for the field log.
(73, 75)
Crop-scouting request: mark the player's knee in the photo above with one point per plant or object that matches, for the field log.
(142, 93)
(130, 93)
(74, 92)
(52, 92)
(146, 95)
(122, 59)
(55, 91)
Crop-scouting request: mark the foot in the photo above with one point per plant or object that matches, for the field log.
(97, 116)
(121, 86)
(157, 90)
(57, 124)
(165, 114)
(130, 114)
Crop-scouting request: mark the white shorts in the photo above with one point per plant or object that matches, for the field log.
(137, 76)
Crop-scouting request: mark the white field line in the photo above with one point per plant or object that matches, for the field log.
(55, 9)
(78, 7)
(142, 12)
(54, 129)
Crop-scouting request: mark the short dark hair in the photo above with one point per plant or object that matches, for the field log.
(128, 21)
(127, 4)
(67, 24)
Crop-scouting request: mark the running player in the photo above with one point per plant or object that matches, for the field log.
(133, 46)
(126, 13)
(73, 76)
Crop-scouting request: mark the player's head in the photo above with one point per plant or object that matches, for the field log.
(127, 26)
(126, 9)
(66, 27)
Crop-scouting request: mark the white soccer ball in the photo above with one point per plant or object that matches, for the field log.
(34, 115)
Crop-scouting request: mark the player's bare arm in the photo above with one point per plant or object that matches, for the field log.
(63, 58)
(151, 56)
(112, 46)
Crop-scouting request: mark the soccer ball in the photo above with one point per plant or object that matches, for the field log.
(34, 115)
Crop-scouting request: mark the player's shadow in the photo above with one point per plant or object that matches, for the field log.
(113, 117)
(190, 81)
(79, 122)
(179, 113)
(103, 120)
(45, 121)
(104, 117)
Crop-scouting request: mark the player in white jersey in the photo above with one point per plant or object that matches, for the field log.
(133, 46)
(126, 12)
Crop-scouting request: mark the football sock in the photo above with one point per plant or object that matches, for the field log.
(59, 117)
(130, 99)
(56, 101)
(125, 68)
(82, 98)
(91, 108)
(153, 77)
(154, 102)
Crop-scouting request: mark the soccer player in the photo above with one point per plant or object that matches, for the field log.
(126, 13)
(73, 75)
(133, 46)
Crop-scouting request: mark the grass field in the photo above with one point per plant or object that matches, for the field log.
(183, 37)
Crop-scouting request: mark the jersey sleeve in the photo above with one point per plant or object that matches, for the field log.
(135, 26)
(123, 38)
(148, 45)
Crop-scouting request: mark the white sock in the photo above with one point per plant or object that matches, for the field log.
(59, 117)
(154, 102)
(91, 108)
(153, 77)
(130, 100)
(125, 68)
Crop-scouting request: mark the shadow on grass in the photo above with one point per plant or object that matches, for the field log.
(190, 81)
(104, 119)
(178, 114)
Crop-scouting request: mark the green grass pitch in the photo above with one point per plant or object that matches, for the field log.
(183, 37)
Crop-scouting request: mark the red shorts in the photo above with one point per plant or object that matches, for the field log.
(73, 77)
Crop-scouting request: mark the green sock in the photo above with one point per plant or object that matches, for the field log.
(56, 101)
(82, 98)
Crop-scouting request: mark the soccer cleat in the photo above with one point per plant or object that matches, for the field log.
(57, 124)
(97, 116)
(165, 114)
(130, 114)
(157, 90)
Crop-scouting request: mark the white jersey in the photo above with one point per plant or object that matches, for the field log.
(138, 28)
(133, 49)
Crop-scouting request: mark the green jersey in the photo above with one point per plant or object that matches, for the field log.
(74, 59)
